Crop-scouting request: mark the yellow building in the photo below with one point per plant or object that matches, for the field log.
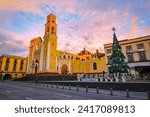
(44, 58)
(12, 66)
(137, 53)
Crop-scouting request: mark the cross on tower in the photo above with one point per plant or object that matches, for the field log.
(113, 30)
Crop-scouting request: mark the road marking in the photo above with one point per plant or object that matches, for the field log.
(8, 91)
(28, 98)
(63, 95)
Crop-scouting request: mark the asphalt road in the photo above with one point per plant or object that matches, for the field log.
(14, 90)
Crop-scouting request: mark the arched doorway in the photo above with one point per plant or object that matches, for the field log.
(7, 77)
(64, 69)
(36, 67)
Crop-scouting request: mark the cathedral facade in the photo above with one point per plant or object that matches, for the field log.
(44, 58)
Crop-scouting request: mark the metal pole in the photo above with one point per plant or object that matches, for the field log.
(86, 88)
(52, 85)
(43, 84)
(97, 89)
(127, 93)
(77, 87)
(57, 85)
(69, 86)
(111, 91)
(148, 95)
(47, 84)
(63, 86)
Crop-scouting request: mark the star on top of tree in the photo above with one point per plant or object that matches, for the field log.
(113, 29)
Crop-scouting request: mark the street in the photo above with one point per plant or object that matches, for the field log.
(14, 90)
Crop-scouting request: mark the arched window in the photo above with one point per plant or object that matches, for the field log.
(94, 66)
(7, 64)
(47, 29)
(21, 65)
(15, 65)
(52, 29)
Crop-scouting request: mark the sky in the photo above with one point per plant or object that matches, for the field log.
(81, 23)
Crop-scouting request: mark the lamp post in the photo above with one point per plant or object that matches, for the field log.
(32, 67)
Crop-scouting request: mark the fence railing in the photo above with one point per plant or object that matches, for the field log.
(68, 86)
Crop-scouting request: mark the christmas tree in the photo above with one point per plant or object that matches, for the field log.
(117, 59)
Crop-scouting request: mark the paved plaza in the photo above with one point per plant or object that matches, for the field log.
(14, 90)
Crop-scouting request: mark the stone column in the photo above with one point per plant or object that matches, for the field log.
(59, 66)
(32, 59)
(41, 57)
(69, 66)
(48, 57)
(56, 64)
(28, 65)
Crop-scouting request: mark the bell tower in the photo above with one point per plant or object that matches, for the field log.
(50, 44)
(51, 26)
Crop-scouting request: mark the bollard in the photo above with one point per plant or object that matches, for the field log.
(69, 86)
(47, 84)
(86, 88)
(127, 93)
(111, 91)
(57, 85)
(43, 84)
(97, 89)
(39, 84)
(63, 86)
(148, 95)
(51, 85)
(77, 87)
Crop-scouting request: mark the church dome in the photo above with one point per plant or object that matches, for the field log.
(84, 52)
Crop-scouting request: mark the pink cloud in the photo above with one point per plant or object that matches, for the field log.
(22, 5)
(96, 28)
(92, 31)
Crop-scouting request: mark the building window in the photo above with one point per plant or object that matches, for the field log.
(0, 64)
(52, 29)
(108, 60)
(108, 51)
(94, 66)
(7, 64)
(15, 65)
(16, 75)
(128, 49)
(21, 65)
(130, 58)
(47, 29)
(140, 46)
(142, 56)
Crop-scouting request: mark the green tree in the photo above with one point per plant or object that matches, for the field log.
(117, 59)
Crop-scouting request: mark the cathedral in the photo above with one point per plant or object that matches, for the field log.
(44, 58)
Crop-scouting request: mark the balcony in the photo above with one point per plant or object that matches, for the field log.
(109, 54)
(129, 51)
(141, 50)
